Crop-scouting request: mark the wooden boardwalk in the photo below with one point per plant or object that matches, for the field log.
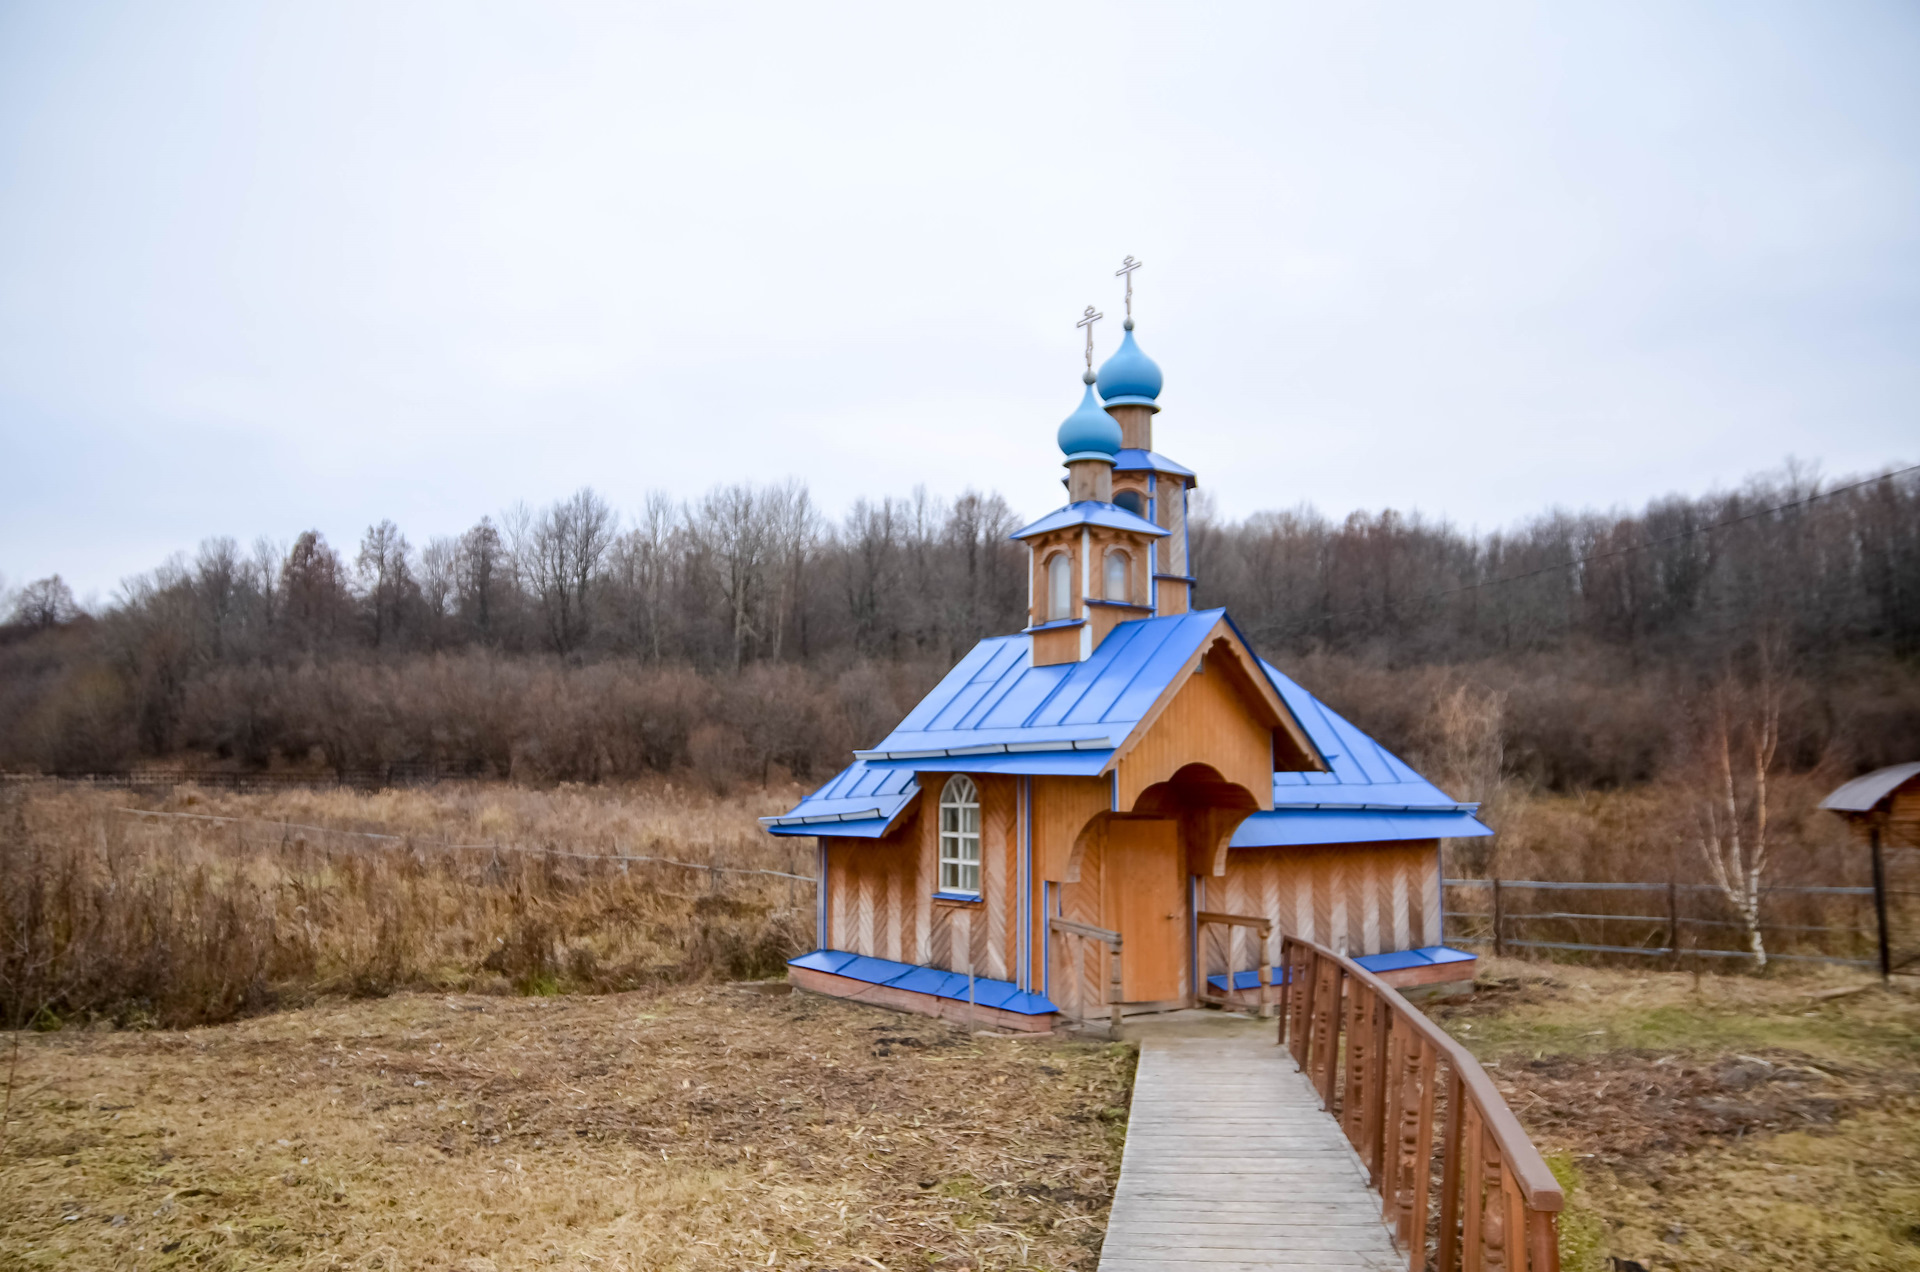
(1231, 1164)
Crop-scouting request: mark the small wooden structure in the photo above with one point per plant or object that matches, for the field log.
(1883, 807)
(1121, 808)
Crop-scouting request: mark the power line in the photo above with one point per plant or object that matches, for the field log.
(1610, 553)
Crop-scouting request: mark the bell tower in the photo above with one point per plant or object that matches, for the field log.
(1118, 550)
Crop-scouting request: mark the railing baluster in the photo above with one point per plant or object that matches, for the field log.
(1473, 1251)
(1452, 1144)
(1379, 1084)
(1493, 1225)
(1514, 1230)
(1353, 1088)
(1420, 1157)
(1388, 1179)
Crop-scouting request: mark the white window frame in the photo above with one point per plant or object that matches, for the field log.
(1059, 586)
(1118, 556)
(960, 836)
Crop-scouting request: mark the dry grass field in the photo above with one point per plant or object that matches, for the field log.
(715, 1127)
(453, 1028)
(197, 906)
(1713, 1123)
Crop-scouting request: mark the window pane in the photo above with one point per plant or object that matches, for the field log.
(972, 876)
(1060, 586)
(970, 819)
(1116, 576)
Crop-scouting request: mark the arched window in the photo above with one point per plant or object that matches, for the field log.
(960, 837)
(1060, 585)
(1119, 567)
(1132, 502)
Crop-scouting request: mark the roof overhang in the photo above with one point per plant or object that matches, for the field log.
(1863, 794)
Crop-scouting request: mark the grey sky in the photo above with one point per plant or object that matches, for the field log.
(265, 267)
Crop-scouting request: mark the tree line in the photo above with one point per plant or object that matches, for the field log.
(744, 629)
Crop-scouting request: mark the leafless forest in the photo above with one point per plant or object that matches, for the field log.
(743, 632)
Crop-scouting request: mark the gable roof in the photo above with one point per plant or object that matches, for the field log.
(999, 713)
(1132, 460)
(859, 801)
(1369, 795)
(1090, 512)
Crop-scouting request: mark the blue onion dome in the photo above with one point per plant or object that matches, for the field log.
(1089, 429)
(1129, 377)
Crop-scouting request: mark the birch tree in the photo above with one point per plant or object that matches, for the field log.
(1739, 742)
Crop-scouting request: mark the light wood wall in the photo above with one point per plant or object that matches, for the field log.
(1209, 718)
(1360, 898)
(880, 891)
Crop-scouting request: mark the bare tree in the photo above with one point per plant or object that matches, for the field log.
(793, 529)
(559, 554)
(45, 603)
(1739, 740)
(386, 579)
(481, 564)
(731, 524)
(643, 562)
(440, 577)
(313, 588)
(218, 578)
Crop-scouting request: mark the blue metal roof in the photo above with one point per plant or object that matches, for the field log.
(1004, 995)
(1365, 774)
(1132, 459)
(996, 702)
(1089, 512)
(1298, 827)
(995, 712)
(1390, 961)
(860, 802)
(1370, 795)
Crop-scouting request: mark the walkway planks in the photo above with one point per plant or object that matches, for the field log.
(1231, 1164)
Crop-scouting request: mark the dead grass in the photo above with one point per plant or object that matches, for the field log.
(684, 1129)
(1716, 1122)
(233, 903)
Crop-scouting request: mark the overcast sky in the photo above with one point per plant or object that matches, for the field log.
(267, 267)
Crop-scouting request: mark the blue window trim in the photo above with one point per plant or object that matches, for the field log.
(972, 898)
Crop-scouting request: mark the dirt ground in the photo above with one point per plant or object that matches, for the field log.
(1713, 1122)
(719, 1127)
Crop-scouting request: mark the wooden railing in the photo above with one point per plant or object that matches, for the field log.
(1386, 1072)
(1263, 931)
(1074, 958)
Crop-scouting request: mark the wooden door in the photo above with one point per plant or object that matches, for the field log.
(1144, 899)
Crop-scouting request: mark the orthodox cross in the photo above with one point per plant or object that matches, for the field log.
(1087, 320)
(1126, 271)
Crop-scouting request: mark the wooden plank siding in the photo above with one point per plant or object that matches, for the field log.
(880, 898)
(1365, 898)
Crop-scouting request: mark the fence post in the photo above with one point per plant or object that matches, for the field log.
(1673, 925)
(1880, 904)
(1499, 939)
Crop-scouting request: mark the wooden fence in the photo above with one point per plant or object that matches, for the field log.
(1671, 922)
(1391, 1077)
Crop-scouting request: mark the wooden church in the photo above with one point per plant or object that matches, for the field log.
(1121, 808)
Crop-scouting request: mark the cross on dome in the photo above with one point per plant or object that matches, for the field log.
(1087, 320)
(1126, 271)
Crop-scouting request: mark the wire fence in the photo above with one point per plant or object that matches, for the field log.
(376, 778)
(612, 856)
(1671, 922)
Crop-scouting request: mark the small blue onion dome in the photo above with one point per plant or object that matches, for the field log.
(1089, 429)
(1129, 377)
